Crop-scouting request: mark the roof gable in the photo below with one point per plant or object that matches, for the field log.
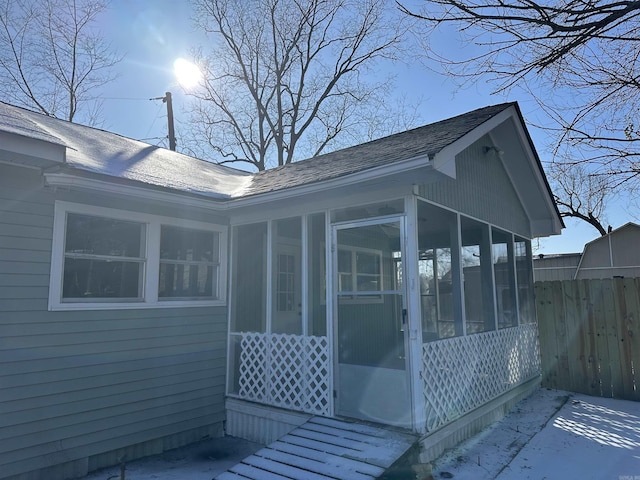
(426, 141)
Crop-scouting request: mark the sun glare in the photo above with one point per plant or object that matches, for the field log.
(187, 73)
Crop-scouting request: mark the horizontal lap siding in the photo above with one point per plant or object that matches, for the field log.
(80, 383)
(481, 189)
(26, 225)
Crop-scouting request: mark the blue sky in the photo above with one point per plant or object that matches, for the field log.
(153, 34)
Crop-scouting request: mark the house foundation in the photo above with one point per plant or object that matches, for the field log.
(434, 443)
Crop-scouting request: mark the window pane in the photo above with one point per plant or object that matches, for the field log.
(316, 269)
(86, 278)
(504, 277)
(368, 283)
(368, 211)
(476, 268)
(186, 281)
(190, 245)
(286, 283)
(287, 276)
(367, 263)
(188, 263)
(249, 278)
(345, 281)
(344, 261)
(524, 277)
(90, 235)
(437, 237)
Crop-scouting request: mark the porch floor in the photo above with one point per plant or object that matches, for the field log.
(325, 449)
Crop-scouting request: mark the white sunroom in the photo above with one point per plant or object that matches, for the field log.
(400, 294)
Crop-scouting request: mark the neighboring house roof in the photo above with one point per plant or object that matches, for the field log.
(630, 227)
(613, 254)
(616, 254)
(559, 266)
(99, 155)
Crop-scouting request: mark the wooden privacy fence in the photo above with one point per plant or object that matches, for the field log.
(590, 336)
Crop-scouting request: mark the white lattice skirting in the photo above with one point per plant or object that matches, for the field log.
(288, 371)
(463, 373)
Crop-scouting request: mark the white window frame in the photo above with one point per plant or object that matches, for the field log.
(215, 264)
(151, 255)
(353, 271)
(362, 296)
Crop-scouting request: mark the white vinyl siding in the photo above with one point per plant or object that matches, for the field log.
(482, 189)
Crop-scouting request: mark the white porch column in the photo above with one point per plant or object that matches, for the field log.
(413, 345)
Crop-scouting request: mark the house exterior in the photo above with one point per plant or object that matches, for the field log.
(615, 254)
(560, 266)
(147, 297)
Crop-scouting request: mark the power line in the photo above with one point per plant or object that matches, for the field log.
(125, 98)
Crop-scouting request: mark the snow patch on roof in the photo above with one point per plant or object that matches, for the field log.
(14, 120)
(98, 151)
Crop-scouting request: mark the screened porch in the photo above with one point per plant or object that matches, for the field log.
(400, 312)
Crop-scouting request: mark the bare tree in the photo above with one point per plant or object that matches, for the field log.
(580, 194)
(579, 59)
(286, 78)
(52, 58)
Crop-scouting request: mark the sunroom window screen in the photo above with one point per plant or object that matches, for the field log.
(189, 261)
(103, 258)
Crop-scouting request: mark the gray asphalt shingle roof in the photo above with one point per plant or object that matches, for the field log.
(98, 151)
(425, 140)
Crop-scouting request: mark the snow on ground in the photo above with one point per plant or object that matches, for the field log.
(592, 438)
(201, 461)
(552, 435)
(484, 456)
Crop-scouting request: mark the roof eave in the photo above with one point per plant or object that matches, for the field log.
(557, 224)
(414, 170)
(137, 190)
(25, 151)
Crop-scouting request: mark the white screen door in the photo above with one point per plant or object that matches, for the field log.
(370, 310)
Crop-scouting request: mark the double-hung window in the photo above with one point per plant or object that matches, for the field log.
(359, 274)
(359, 270)
(189, 261)
(107, 258)
(104, 258)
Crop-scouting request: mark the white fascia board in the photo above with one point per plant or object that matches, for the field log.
(414, 163)
(556, 225)
(223, 203)
(549, 228)
(31, 151)
(70, 181)
(444, 160)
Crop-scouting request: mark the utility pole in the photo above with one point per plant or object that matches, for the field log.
(172, 134)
